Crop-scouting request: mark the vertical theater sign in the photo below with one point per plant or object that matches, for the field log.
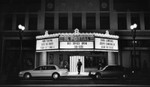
(75, 42)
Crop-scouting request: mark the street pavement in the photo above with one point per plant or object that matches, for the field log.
(141, 80)
(86, 82)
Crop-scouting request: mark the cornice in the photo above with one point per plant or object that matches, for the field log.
(76, 32)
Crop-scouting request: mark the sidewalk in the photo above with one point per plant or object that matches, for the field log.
(75, 75)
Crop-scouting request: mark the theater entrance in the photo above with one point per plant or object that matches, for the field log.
(73, 63)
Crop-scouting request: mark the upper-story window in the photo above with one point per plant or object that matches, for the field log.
(20, 19)
(49, 21)
(130, 5)
(32, 22)
(63, 21)
(25, 5)
(90, 21)
(104, 21)
(135, 18)
(8, 22)
(147, 21)
(16, 44)
(33, 5)
(77, 20)
(122, 21)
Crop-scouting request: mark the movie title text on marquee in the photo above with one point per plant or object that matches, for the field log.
(44, 44)
(102, 43)
(76, 45)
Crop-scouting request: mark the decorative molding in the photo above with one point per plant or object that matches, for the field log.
(77, 32)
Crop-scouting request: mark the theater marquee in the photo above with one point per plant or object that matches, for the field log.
(76, 45)
(44, 44)
(77, 42)
(106, 44)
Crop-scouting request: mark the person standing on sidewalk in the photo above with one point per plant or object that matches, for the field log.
(79, 64)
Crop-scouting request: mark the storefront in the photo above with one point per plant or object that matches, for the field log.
(64, 50)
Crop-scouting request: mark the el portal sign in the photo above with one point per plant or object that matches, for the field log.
(76, 42)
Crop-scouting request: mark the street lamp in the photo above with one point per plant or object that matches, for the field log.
(133, 30)
(21, 29)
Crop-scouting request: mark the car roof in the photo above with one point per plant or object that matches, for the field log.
(114, 65)
(48, 65)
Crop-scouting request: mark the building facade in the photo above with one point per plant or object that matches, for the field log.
(51, 49)
(63, 16)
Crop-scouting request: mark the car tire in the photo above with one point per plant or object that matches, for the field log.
(27, 76)
(98, 76)
(55, 76)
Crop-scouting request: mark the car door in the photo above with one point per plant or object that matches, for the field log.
(52, 69)
(44, 72)
(116, 71)
(49, 70)
(119, 71)
(108, 72)
(37, 72)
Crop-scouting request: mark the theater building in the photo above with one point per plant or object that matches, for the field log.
(62, 31)
(64, 50)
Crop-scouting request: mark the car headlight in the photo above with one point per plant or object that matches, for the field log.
(93, 72)
(133, 71)
(20, 72)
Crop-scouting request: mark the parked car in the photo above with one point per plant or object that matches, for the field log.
(44, 71)
(110, 71)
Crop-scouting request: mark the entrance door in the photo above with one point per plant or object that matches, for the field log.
(73, 63)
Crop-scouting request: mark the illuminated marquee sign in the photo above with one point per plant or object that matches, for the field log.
(76, 38)
(76, 45)
(106, 44)
(77, 42)
(44, 44)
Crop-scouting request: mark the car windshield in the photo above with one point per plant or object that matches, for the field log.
(104, 68)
